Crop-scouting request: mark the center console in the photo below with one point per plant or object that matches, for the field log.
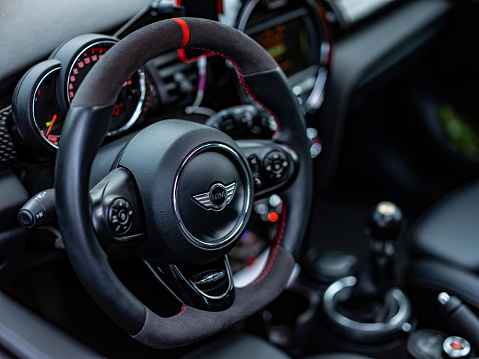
(339, 306)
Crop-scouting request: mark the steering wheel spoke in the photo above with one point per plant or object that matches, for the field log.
(207, 286)
(273, 165)
(117, 213)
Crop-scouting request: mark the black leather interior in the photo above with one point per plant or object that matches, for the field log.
(446, 239)
(439, 277)
(449, 231)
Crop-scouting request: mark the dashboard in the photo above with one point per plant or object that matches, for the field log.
(295, 33)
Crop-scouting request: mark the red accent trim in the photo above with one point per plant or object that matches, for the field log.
(187, 60)
(183, 308)
(220, 6)
(186, 31)
(274, 247)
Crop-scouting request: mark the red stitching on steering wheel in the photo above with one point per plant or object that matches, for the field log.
(183, 308)
(242, 81)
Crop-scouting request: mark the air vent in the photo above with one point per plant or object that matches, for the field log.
(177, 80)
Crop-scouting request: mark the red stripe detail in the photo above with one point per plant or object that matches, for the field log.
(186, 32)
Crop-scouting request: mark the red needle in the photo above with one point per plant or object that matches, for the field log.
(51, 125)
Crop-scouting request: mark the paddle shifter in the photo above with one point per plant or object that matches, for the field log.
(369, 306)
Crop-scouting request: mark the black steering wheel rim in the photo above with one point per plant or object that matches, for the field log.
(86, 124)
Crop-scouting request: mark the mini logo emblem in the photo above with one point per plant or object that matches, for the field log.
(217, 197)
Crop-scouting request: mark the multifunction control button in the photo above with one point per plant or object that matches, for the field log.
(275, 165)
(120, 216)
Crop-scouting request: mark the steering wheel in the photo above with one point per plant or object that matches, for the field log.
(181, 193)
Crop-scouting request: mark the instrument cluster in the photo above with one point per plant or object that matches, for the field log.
(295, 33)
(43, 95)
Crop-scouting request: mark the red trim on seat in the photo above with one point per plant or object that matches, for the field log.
(186, 31)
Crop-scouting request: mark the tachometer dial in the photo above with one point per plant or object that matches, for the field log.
(129, 104)
(77, 57)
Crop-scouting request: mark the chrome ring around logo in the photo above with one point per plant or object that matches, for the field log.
(216, 201)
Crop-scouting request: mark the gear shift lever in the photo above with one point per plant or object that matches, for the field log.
(369, 308)
(371, 298)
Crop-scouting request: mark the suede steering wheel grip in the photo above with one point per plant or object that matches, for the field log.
(85, 126)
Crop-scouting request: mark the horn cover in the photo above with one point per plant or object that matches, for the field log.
(196, 189)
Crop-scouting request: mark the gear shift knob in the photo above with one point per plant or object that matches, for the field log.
(385, 222)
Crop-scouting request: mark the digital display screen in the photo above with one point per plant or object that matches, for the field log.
(288, 44)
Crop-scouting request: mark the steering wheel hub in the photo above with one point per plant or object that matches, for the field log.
(212, 195)
(196, 188)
